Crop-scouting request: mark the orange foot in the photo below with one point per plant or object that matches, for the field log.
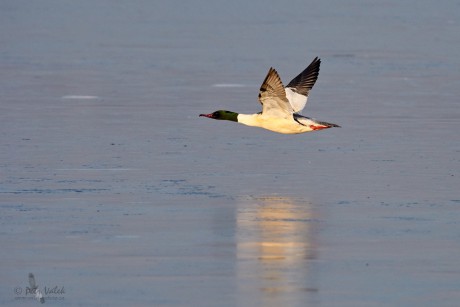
(313, 127)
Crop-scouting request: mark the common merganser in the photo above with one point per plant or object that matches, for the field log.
(281, 106)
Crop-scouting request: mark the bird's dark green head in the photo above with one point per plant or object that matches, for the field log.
(222, 115)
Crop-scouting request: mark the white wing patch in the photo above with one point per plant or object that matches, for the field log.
(296, 100)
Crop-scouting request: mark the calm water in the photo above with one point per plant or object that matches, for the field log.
(112, 188)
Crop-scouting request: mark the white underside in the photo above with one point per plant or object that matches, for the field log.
(276, 124)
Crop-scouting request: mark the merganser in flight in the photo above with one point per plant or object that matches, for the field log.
(281, 105)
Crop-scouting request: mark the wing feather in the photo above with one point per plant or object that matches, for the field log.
(298, 89)
(305, 81)
(272, 96)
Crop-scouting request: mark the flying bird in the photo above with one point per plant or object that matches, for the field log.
(281, 106)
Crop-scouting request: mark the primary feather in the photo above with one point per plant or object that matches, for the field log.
(298, 89)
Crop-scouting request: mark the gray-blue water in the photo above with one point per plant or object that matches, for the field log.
(114, 190)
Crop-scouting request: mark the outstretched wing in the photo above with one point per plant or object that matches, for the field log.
(297, 90)
(272, 96)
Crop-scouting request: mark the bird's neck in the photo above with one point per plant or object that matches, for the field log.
(229, 115)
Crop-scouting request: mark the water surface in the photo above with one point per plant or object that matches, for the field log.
(113, 188)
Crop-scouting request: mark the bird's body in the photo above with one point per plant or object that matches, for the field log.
(281, 106)
(299, 124)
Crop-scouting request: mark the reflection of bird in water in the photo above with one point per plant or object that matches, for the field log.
(277, 227)
(275, 244)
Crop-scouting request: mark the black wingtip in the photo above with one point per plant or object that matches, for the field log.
(305, 81)
(329, 125)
